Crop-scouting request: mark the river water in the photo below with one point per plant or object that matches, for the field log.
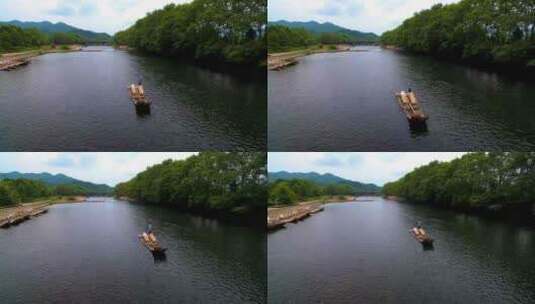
(89, 253)
(362, 252)
(79, 102)
(345, 102)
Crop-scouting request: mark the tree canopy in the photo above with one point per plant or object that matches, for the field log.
(473, 181)
(210, 182)
(296, 190)
(13, 38)
(479, 31)
(15, 191)
(282, 38)
(231, 31)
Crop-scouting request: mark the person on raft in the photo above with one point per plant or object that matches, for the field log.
(140, 81)
(149, 228)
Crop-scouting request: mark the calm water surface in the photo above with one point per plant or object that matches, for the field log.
(79, 102)
(362, 252)
(345, 102)
(89, 253)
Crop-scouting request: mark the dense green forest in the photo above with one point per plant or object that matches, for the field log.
(299, 190)
(474, 181)
(208, 183)
(282, 38)
(14, 38)
(50, 28)
(231, 31)
(14, 191)
(495, 32)
(325, 179)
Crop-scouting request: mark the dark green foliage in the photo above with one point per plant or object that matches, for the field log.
(327, 27)
(484, 32)
(325, 179)
(281, 38)
(61, 179)
(21, 190)
(295, 190)
(209, 182)
(13, 38)
(231, 31)
(50, 28)
(476, 180)
(66, 38)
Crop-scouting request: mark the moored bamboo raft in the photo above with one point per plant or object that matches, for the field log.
(281, 216)
(11, 64)
(21, 216)
(411, 107)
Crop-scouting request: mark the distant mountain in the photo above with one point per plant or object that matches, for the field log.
(328, 27)
(324, 179)
(60, 27)
(60, 179)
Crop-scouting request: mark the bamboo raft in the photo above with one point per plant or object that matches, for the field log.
(152, 244)
(411, 107)
(12, 64)
(421, 236)
(22, 216)
(278, 219)
(137, 93)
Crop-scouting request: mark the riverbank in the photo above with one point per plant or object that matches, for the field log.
(278, 217)
(9, 61)
(279, 61)
(10, 216)
(239, 216)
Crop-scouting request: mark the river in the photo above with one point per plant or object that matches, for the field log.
(345, 102)
(90, 253)
(79, 102)
(362, 252)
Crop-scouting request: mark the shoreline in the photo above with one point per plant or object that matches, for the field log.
(278, 217)
(14, 215)
(13, 60)
(282, 60)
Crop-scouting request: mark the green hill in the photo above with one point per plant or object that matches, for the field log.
(60, 27)
(327, 27)
(324, 179)
(60, 179)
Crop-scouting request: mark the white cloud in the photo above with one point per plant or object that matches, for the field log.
(107, 16)
(364, 15)
(375, 167)
(103, 167)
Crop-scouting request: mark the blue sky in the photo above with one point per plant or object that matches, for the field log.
(102, 167)
(107, 16)
(373, 167)
(364, 15)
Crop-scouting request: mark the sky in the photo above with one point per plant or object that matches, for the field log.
(374, 167)
(100, 168)
(108, 16)
(375, 16)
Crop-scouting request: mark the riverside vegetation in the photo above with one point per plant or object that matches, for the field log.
(476, 181)
(490, 32)
(19, 191)
(16, 38)
(210, 183)
(230, 31)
